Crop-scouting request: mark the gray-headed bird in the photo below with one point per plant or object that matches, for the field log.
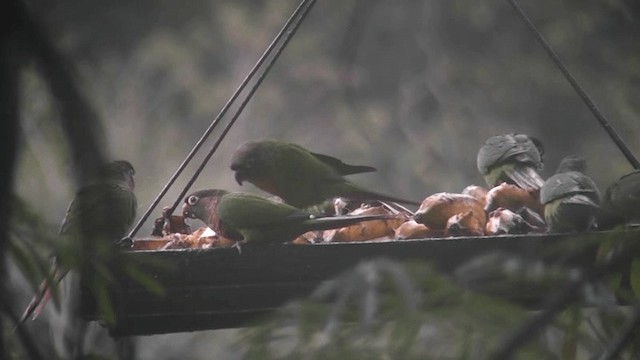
(511, 158)
(571, 199)
(250, 218)
(299, 177)
(621, 202)
(103, 210)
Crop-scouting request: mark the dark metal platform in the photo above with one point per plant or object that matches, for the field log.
(220, 288)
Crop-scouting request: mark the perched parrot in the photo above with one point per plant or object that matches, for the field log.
(249, 218)
(511, 158)
(299, 177)
(571, 199)
(104, 209)
(621, 202)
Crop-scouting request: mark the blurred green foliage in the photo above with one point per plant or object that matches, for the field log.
(382, 309)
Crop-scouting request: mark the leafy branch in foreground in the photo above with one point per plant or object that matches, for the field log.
(383, 309)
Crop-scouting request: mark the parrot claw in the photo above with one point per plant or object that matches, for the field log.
(239, 178)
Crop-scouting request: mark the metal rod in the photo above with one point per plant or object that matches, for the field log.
(583, 95)
(215, 122)
(253, 89)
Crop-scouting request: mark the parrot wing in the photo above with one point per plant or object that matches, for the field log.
(258, 218)
(502, 148)
(243, 210)
(568, 184)
(621, 201)
(334, 222)
(341, 167)
(295, 162)
(108, 209)
(579, 199)
(351, 191)
(528, 149)
(525, 177)
(624, 194)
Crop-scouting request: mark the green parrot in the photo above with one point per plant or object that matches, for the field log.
(511, 158)
(249, 218)
(299, 177)
(621, 202)
(571, 199)
(104, 210)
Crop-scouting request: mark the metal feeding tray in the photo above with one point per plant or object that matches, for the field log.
(222, 288)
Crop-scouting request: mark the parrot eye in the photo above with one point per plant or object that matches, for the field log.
(192, 200)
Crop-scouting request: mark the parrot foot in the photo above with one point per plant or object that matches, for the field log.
(125, 243)
(238, 247)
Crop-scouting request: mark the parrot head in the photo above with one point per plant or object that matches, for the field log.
(118, 171)
(251, 160)
(572, 163)
(536, 142)
(510, 148)
(202, 205)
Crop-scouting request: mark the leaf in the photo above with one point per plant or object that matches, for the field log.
(151, 284)
(605, 249)
(569, 345)
(26, 261)
(634, 277)
(105, 306)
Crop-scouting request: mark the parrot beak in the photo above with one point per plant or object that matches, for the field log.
(239, 176)
(186, 212)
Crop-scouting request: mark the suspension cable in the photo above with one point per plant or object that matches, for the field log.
(253, 89)
(574, 83)
(286, 32)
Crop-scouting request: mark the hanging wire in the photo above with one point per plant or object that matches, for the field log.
(574, 83)
(303, 9)
(244, 103)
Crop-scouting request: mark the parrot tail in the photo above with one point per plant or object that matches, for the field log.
(37, 304)
(525, 177)
(396, 208)
(334, 222)
(363, 195)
